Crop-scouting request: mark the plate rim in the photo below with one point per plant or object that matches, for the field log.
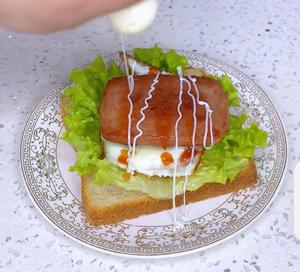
(64, 83)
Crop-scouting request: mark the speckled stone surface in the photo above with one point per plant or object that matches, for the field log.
(261, 38)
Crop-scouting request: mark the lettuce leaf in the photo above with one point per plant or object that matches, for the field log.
(82, 119)
(227, 84)
(219, 164)
(165, 61)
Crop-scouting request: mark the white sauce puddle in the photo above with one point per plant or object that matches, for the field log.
(146, 105)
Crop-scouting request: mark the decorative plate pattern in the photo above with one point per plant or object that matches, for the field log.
(45, 159)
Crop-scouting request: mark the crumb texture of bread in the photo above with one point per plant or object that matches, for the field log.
(109, 204)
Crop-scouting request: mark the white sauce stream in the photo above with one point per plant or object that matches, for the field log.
(175, 222)
(196, 101)
(186, 177)
(130, 80)
(146, 105)
(208, 116)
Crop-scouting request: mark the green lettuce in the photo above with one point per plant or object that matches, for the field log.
(81, 118)
(226, 83)
(219, 164)
(165, 61)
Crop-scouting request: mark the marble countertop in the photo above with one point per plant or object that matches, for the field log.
(260, 38)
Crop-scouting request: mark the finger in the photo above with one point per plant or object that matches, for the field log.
(46, 16)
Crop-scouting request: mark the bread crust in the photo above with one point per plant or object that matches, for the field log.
(143, 205)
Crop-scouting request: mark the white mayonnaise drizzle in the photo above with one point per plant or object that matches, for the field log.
(186, 176)
(175, 222)
(208, 116)
(130, 80)
(141, 120)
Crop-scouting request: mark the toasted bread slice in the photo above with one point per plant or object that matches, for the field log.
(110, 204)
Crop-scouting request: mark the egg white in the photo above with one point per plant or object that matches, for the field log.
(148, 161)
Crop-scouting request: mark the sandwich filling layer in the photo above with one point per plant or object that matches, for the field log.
(161, 110)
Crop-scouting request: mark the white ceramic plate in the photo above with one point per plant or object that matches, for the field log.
(45, 160)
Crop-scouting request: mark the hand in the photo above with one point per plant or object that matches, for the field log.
(45, 16)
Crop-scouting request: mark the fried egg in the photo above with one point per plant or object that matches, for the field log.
(153, 160)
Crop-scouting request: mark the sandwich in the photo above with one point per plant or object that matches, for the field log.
(161, 136)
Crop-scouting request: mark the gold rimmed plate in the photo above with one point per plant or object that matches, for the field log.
(45, 160)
